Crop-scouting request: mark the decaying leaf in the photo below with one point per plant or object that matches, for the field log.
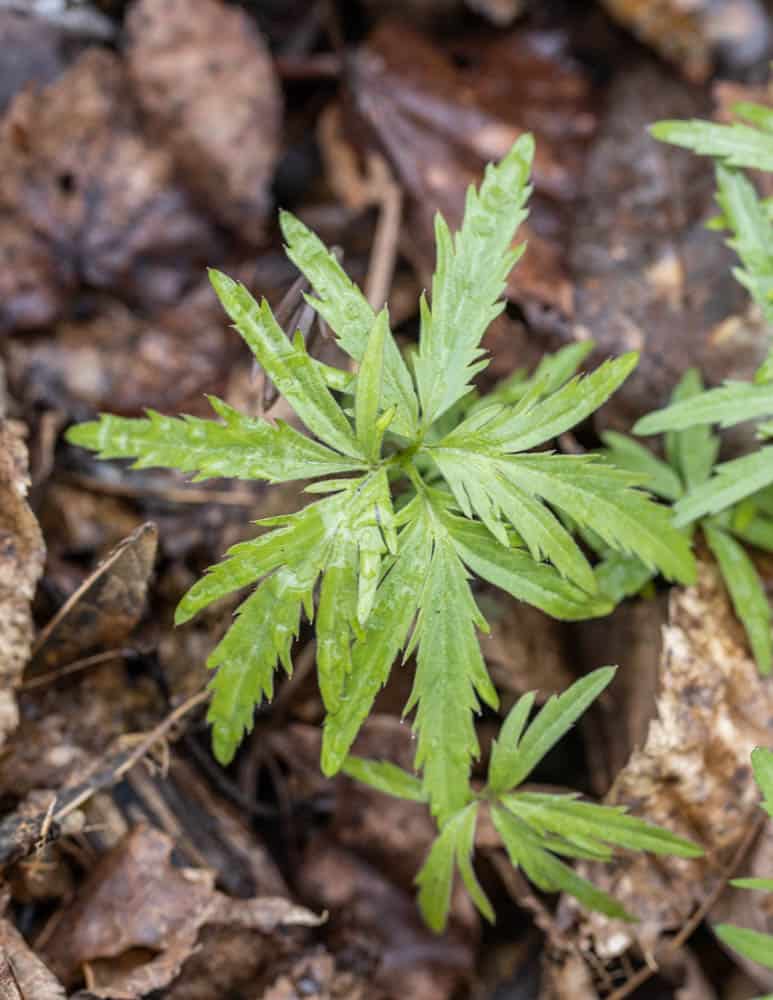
(66, 152)
(438, 122)
(136, 901)
(23, 976)
(693, 774)
(22, 553)
(204, 77)
(105, 608)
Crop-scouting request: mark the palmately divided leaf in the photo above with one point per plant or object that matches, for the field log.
(287, 364)
(737, 144)
(526, 851)
(516, 572)
(470, 275)
(480, 487)
(747, 593)
(345, 309)
(385, 777)
(732, 482)
(602, 498)
(450, 677)
(554, 719)
(729, 404)
(239, 448)
(384, 635)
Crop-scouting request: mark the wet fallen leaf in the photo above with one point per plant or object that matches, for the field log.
(66, 154)
(137, 901)
(692, 775)
(204, 77)
(22, 554)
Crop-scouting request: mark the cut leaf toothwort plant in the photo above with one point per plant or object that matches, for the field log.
(421, 488)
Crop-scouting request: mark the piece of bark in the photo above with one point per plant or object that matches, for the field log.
(22, 554)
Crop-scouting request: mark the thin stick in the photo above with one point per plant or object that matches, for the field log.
(75, 667)
(387, 235)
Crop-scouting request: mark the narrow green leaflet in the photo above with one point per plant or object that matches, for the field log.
(470, 275)
(287, 364)
(752, 236)
(551, 373)
(245, 668)
(657, 476)
(435, 880)
(558, 412)
(762, 762)
(737, 145)
(526, 851)
(367, 399)
(515, 571)
(731, 482)
(383, 636)
(620, 575)
(504, 751)
(555, 718)
(450, 677)
(751, 944)
(730, 404)
(385, 777)
(343, 306)
(746, 592)
(604, 499)
(239, 448)
(692, 451)
(465, 848)
(765, 884)
(565, 816)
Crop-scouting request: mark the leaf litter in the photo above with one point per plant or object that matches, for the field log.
(106, 776)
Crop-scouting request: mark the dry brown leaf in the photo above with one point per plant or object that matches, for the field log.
(23, 976)
(77, 173)
(693, 774)
(22, 554)
(135, 901)
(105, 608)
(205, 79)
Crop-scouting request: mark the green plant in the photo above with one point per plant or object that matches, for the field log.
(534, 827)
(749, 219)
(690, 457)
(753, 944)
(424, 486)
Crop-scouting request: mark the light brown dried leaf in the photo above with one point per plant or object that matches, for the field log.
(693, 774)
(204, 77)
(22, 554)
